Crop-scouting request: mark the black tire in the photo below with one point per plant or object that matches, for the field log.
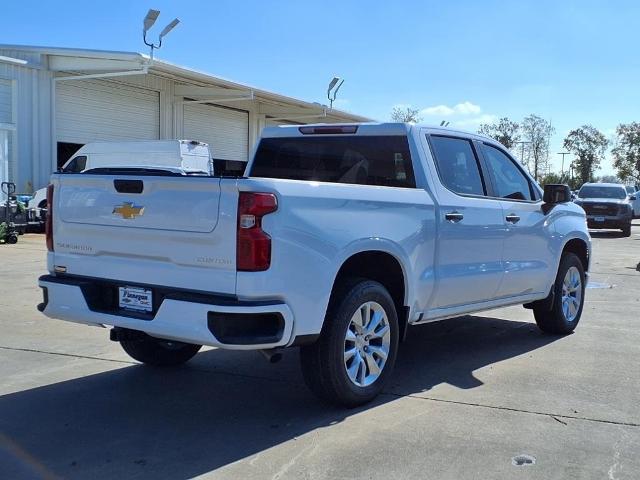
(323, 363)
(158, 352)
(626, 231)
(554, 320)
(11, 239)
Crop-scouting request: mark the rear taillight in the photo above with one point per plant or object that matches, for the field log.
(253, 249)
(48, 225)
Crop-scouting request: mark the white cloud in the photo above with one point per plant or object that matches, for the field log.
(474, 122)
(467, 108)
(441, 110)
(463, 108)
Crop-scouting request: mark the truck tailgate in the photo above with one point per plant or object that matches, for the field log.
(174, 231)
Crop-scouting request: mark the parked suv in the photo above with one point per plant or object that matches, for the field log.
(337, 239)
(634, 199)
(607, 205)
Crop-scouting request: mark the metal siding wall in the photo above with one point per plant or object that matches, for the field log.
(31, 163)
(225, 130)
(6, 101)
(93, 110)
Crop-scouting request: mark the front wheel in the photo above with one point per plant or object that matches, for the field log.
(356, 351)
(568, 299)
(626, 231)
(159, 352)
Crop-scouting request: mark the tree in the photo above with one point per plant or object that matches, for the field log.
(536, 131)
(626, 153)
(588, 145)
(405, 115)
(504, 131)
(551, 178)
(608, 179)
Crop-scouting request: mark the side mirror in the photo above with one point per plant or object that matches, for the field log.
(556, 193)
(632, 197)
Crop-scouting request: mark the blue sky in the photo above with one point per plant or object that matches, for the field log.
(466, 62)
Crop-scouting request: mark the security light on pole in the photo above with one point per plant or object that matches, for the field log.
(332, 91)
(150, 19)
(148, 22)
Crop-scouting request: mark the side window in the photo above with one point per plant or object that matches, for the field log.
(508, 180)
(457, 165)
(76, 165)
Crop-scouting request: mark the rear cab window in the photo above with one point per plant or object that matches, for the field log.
(457, 165)
(361, 160)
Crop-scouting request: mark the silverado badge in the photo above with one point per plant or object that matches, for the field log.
(128, 210)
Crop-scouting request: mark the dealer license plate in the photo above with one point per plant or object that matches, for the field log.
(135, 298)
(598, 219)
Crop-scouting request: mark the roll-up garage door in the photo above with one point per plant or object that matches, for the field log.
(99, 110)
(224, 129)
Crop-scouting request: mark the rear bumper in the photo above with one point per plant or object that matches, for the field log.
(239, 325)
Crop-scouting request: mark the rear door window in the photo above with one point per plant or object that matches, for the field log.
(363, 160)
(457, 165)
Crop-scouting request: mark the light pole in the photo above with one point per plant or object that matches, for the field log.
(562, 167)
(332, 90)
(523, 143)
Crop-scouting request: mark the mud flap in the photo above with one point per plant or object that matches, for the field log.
(545, 304)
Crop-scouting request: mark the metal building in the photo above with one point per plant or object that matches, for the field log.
(54, 100)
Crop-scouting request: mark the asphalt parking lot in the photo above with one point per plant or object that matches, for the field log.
(468, 396)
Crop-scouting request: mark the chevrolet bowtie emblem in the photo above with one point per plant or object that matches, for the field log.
(128, 210)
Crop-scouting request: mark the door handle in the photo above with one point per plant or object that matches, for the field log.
(453, 217)
(512, 218)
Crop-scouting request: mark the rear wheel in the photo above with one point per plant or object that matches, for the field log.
(159, 352)
(356, 351)
(568, 301)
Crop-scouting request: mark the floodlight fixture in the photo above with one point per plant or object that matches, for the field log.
(168, 28)
(332, 90)
(150, 19)
(148, 22)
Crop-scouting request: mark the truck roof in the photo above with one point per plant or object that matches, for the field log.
(372, 128)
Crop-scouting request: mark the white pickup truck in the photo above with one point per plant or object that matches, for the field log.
(337, 239)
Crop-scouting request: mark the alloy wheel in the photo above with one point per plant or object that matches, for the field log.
(367, 344)
(571, 294)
